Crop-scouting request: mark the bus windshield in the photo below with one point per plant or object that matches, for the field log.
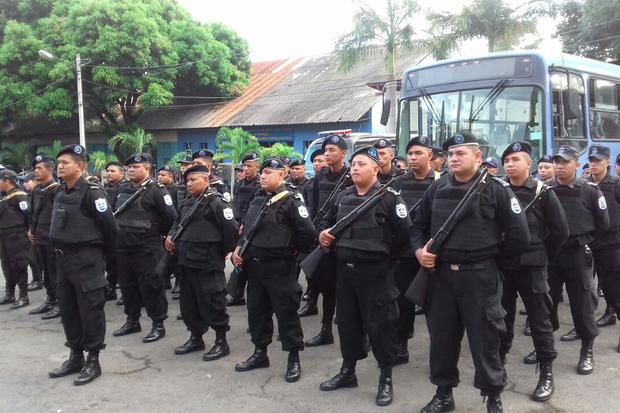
(497, 115)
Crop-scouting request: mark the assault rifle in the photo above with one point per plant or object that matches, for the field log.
(418, 289)
(132, 198)
(321, 213)
(311, 262)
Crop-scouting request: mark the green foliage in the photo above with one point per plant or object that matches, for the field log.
(51, 151)
(100, 159)
(279, 149)
(234, 144)
(17, 155)
(590, 28)
(125, 144)
(174, 161)
(136, 54)
(495, 20)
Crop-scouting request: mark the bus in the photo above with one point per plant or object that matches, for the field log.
(546, 99)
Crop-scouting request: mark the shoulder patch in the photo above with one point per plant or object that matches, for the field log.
(168, 199)
(101, 204)
(303, 212)
(228, 213)
(401, 210)
(602, 203)
(23, 205)
(226, 196)
(515, 206)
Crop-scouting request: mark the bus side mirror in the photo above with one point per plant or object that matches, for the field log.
(571, 103)
(385, 110)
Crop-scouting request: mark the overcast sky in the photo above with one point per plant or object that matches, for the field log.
(277, 29)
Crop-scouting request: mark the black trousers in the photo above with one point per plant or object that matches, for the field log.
(366, 304)
(203, 300)
(273, 288)
(112, 272)
(14, 252)
(35, 264)
(467, 299)
(406, 269)
(140, 284)
(324, 282)
(80, 282)
(47, 259)
(533, 287)
(573, 267)
(607, 264)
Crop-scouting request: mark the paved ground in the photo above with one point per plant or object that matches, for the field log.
(150, 378)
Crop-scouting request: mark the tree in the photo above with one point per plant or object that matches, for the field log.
(393, 30)
(234, 144)
(279, 149)
(494, 20)
(591, 29)
(100, 159)
(139, 54)
(174, 161)
(17, 155)
(52, 150)
(125, 144)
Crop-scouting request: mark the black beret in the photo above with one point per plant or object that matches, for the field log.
(297, 162)
(517, 147)
(239, 167)
(369, 151)
(335, 140)
(26, 176)
(460, 138)
(316, 153)
(418, 141)
(42, 158)
(252, 156)
(566, 152)
(139, 158)
(166, 168)
(76, 150)
(114, 163)
(585, 166)
(8, 175)
(490, 161)
(599, 152)
(203, 153)
(545, 158)
(274, 162)
(196, 169)
(438, 152)
(382, 143)
(186, 159)
(401, 159)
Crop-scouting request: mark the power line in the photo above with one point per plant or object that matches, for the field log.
(174, 96)
(30, 96)
(594, 41)
(169, 66)
(586, 27)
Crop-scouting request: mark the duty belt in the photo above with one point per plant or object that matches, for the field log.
(465, 267)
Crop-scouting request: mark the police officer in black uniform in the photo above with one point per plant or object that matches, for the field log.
(209, 236)
(165, 176)
(285, 230)
(366, 294)
(386, 160)
(115, 176)
(438, 160)
(465, 288)
(545, 168)
(606, 246)
(412, 186)
(587, 214)
(139, 247)
(184, 164)
(297, 175)
(83, 230)
(42, 202)
(205, 157)
(14, 243)
(324, 281)
(527, 274)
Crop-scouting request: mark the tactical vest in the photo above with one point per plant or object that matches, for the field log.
(244, 191)
(326, 186)
(580, 219)
(412, 189)
(608, 188)
(43, 203)
(271, 233)
(535, 218)
(181, 193)
(135, 218)
(69, 224)
(202, 228)
(10, 214)
(477, 230)
(371, 232)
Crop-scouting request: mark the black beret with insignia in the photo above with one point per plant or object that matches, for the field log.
(316, 153)
(382, 143)
(297, 162)
(517, 147)
(196, 169)
(274, 162)
(566, 152)
(599, 152)
(369, 151)
(460, 138)
(239, 167)
(203, 153)
(8, 175)
(418, 141)
(545, 158)
(438, 152)
(75, 149)
(187, 159)
(166, 168)
(139, 158)
(114, 163)
(489, 162)
(585, 166)
(252, 156)
(42, 158)
(335, 140)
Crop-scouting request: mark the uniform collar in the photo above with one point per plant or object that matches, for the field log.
(530, 183)
(607, 179)
(554, 183)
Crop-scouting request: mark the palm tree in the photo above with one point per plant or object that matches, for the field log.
(17, 155)
(100, 159)
(124, 144)
(174, 161)
(279, 149)
(394, 31)
(234, 144)
(52, 150)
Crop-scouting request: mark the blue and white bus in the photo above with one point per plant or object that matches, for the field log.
(546, 99)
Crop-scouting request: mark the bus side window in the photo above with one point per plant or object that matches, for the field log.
(568, 110)
(604, 111)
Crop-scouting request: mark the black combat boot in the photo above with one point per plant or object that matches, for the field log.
(531, 358)
(9, 298)
(220, 348)
(494, 403)
(586, 358)
(130, 326)
(120, 301)
(324, 337)
(402, 356)
(91, 369)
(293, 367)
(309, 308)
(385, 391)
(256, 361)
(54, 312)
(35, 285)
(194, 343)
(607, 319)
(157, 331)
(442, 401)
(545, 387)
(570, 336)
(72, 365)
(345, 378)
(22, 301)
(43, 308)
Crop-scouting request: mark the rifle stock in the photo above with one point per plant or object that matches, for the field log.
(311, 262)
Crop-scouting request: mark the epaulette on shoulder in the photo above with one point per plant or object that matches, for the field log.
(95, 187)
(501, 181)
(297, 195)
(160, 185)
(394, 191)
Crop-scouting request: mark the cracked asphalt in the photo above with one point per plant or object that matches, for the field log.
(141, 377)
